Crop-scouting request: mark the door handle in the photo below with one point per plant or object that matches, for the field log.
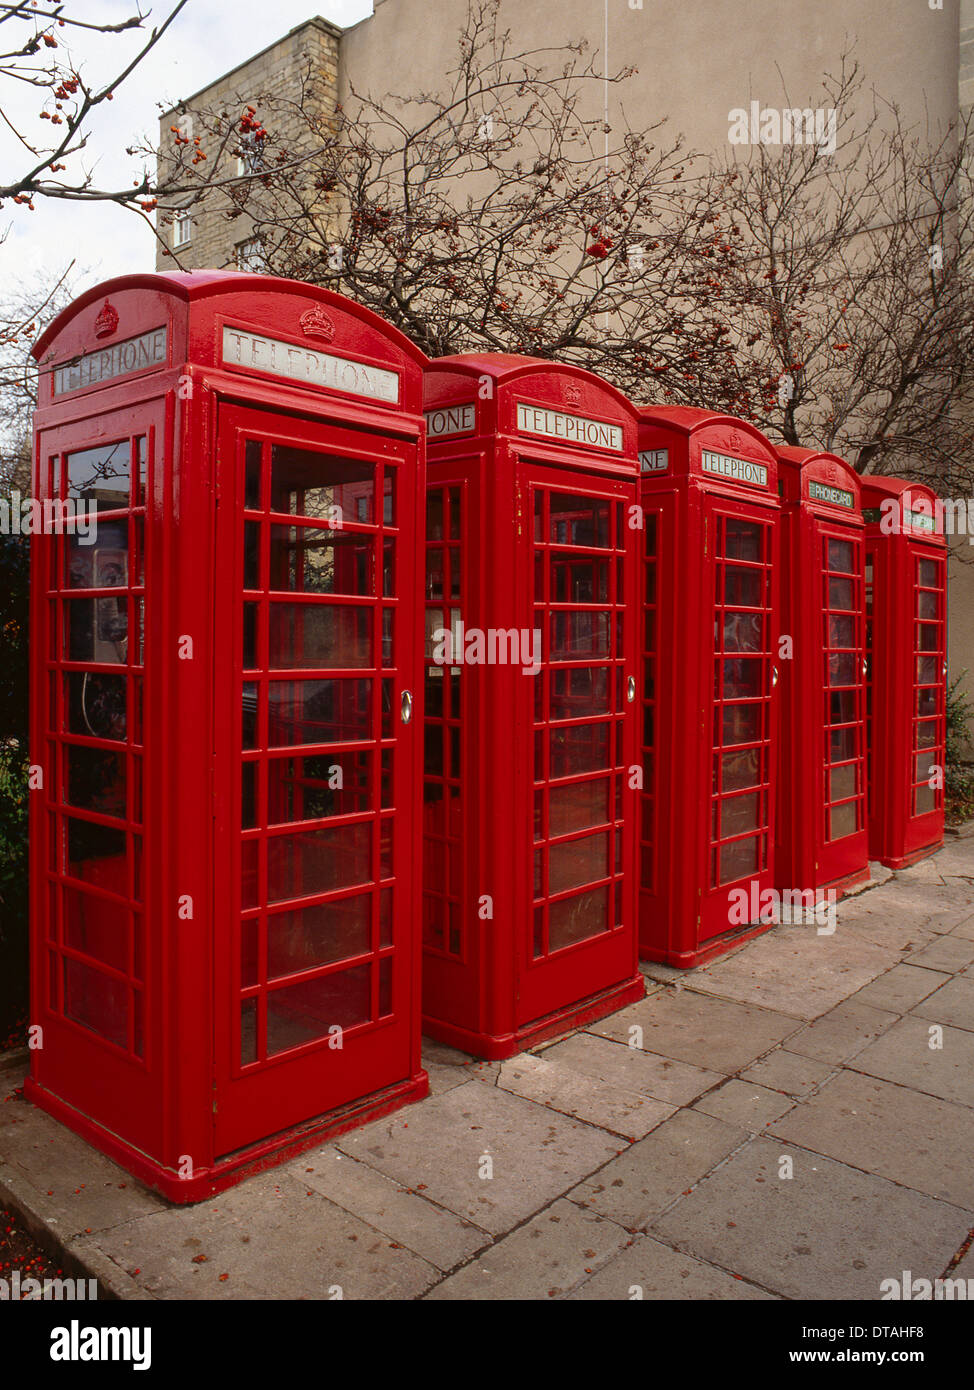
(406, 707)
(774, 677)
(631, 689)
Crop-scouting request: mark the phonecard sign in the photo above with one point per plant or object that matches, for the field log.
(132, 355)
(242, 349)
(820, 492)
(574, 429)
(654, 460)
(740, 470)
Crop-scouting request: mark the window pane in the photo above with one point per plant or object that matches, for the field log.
(310, 559)
(578, 918)
(740, 770)
(577, 862)
(578, 805)
(579, 580)
(97, 927)
(96, 1001)
(842, 632)
(841, 556)
(843, 667)
(742, 587)
(575, 636)
(741, 679)
(300, 1013)
(742, 724)
(927, 734)
(739, 859)
(578, 692)
(742, 540)
(95, 780)
(330, 711)
(584, 748)
(842, 782)
(928, 605)
(96, 630)
(95, 705)
(929, 574)
(740, 813)
(331, 784)
(96, 854)
(315, 635)
(306, 937)
(322, 486)
(318, 861)
(928, 637)
(842, 745)
(101, 476)
(841, 593)
(843, 820)
(743, 632)
(578, 521)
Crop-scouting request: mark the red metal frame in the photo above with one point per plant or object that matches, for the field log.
(906, 607)
(709, 640)
(821, 818)
(529, 915)
(200, 930)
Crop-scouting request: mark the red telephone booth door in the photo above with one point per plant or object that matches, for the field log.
(741, 674)
(580, 740)
(843, 831)
(315, 637)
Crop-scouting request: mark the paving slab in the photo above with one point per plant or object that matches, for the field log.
(533, 1154)
(948, 953)
(742, 1103)
(788, 1072)
(440, 1237)
(828, 1232)
(721, 1035)
(643, 1071)
(648, 1269)
(641, 1183)
(900, 988)
(952, 1003)
(964, 929)
(72, 1187)
(903, 1055)
(273, 1238)
(914, 1139)
(544, 1259)
(841, 1033)
(446, 1067)
(793, 970)
(596, 1101)
(900, 932)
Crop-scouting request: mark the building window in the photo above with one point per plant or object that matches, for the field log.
(250, 255)
(250, 157)
(182, 231)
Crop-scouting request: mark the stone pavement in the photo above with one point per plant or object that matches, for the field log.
(795, 1120)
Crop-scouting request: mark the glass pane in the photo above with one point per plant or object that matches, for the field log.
(313, 788)
(841, 556)
(743, 632)
(742, 679)
(95, 705)
(322, 486)
(843, 820)
(927, 701)
(318, 861)
(923, 764)
(577, 862)
(101, 476)
(842, 632)
(578, 521)
(578, 805)
(927, 734)
(315, 635)
(742, 724)
(742, 539)
(924, 799)
(248, 1031)
(97, 927)
(96, 630)
(95, 780)
(309, 559)
(252, 475)
(330, 711)
(738, 859)
(929, 574)
(928, 605)
(926, 670)
(842, 782)
(843, 668)
(739, 814)
(742, 587)
(740, 770)
(583, 748)
(841, 593)
(842, 745)
(300, 1013)
(928, 637)
(579, 692)
(96, 854)
(306, 937)
(96, 1001)
(842, 707)
(578, 918)
(575, 636)
(579, 580)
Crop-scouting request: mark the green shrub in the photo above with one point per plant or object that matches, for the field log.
(959, 777)
(14, 601)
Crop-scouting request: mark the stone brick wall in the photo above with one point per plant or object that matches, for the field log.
(280, 69)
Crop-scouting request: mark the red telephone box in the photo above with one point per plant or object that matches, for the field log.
(710, 632)
(224, 885)
(821, 800)
(906, 623)
(529, 890)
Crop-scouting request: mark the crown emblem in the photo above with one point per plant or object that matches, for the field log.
(831, 471)
(107, 321)
(573, 393)
(735, 439)
(317, 324)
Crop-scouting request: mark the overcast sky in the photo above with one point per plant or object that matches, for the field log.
(207, 39)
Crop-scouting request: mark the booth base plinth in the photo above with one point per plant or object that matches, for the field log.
(904, 861)
(244, 1163)
(497, 1047)
(706, 950)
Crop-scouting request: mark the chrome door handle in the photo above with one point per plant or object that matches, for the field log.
(631, 689)
(406, 708)
(774, 677)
